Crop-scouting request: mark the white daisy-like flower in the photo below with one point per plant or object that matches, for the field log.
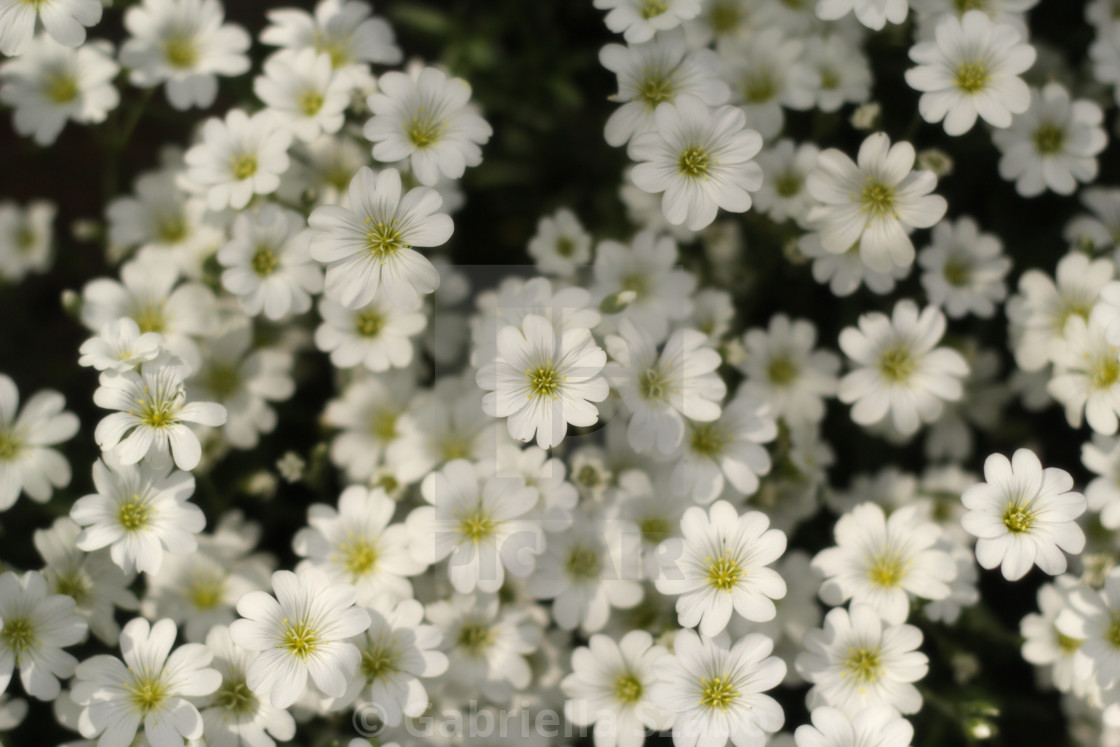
(64, 20)
(153, 687)
(480, 523)
(368, 246)
(1091, 616)
(1023, 515)
(52, 84)
(377, 336)
(120, 346)
(428, 119)
(27, 463)
(971, 68)
(305, 629)
(1086, 378)
(661, 389)
(843, 74)
(639, 20)
(26, 238)
(185, 44)
(138, 512)
(883, 561)
(1052, 145)
(35, 625)
(845, 273)
(543, 380)
(305, 92)
(344, 29)
(767, 73)
(1101, 456)
(233, 715)
(785, 167)
(1105, 55)
(657, 72)
(700, 159)
(1101, 227)
(239, 156)
(856, 661)
(560, 245)
(877, 726)
(357, 544)
(874, 204)
(964, 269)
(901, 372)
(152, 414)
(784, 370)
(718, 693)
(720, 566)
(610, 686)
(874, 14)
(1045, 646)
(268, 265)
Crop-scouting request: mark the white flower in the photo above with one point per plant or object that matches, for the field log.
(305, 92)
(639, 20)
(884, 561)
(26, 238)
(185, 44)
(239, 156)
(719, 566)
(35, 626)
(661, 389)
(726, 451)
(785, 167)
(874, 204)
(543, 380)
(52, 84)
(717, 692)
(1090, 616)
(1023, 516)
(377, 336)
(1105, 55)
(560, 245)
(138, 512)
(27, 464)
(1045, 646)
(97, 585)
(843, 75)
(964, 269)
(902, 373)
(120, 346)
(64, 20)
(1086, 376)
(971, 68)
(1101, 229)
(149, 688)
(480, 525)
(305, 629)
(784, 370)
(855, 661)
(1052, 145)
(428, 119)
(610, 687)
(766, 73)
(700, 159)
(1102, 457)
(846, 272)
(233, 715)
(877, 726)
(397, 651)
(656, 72)
(152, 414)
(343, 29)
(357, 544)
(268, 265)
(874, 14)
(368, 247)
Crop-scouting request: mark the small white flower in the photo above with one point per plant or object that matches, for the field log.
(971, 68)
(1090, 616)
(1086, 377)
(185, 44)
(1023, 516)
(874, 204)
(428, 119)
(65, 20)
(304, 629)
(1045, 646)
(767, 73)
(368, 247)
(843, 74)
(856, 661)
(786, 166)
(305, 92)
(52, 84)
(720, 566)
(846, 272)
(639, 20)
(344, 29)
(120, 346)
(27, 464)
(700, 159)
(138, 512)
(1102, 457)
(377, 336)
(35, 626)
(26, 238)
(718, 692)
(150, 688)
(784, 370)
(902, 373)
(1101, 229)
(560, 244)
(877, 726)
(239, 156)
(610, 687)
(964, 269)
(874, 14)
(884, 561)
(1052, 145)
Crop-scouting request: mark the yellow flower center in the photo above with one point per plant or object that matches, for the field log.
(147, 692)
(379, 660)
(477, 526)
(235, 697)
(583, 563)
(1018, 517)
(958, 272)
(424, 130)
(10, 446)
(1113, 633)
(180, 51)
(475, 638)
(311, 103)
(862, 665)
(886, 570)
(172, 230)
(133, 515)
(299, 638)
(708, 440)
(717, 693)
(18, 635)
(1105, 371)
(897, 365)
(73, 584)
(223, 380)
(150, 318)
(359, 557)
(383, 240)
(1049, 139)
(724, 572)
(782, 370)
(628, 689)
(963, 6)
(725, 17)
(830, 81)
(971, 77)
(384, 426)
(654, 528)
(206, 590)
(877, 199)
(653, 8)
(656, 88)
(243, 167)
(61, 88)
(653, 384)
(370, 323)
(1066, 644)
(788, 184)
(264, 261)
(544, 381)
(759, 87)
(694, 163)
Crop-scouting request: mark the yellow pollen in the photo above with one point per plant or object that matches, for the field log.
(782, 370)
(717, 693)
(424, 130)
(61, 88)
(544, 381)
(897, 365)
(206, 591)
(1018, 517)
(133, 514)
(653, 8)
(243, 167)
(264, 262)
(862, 665)
(235, 697)
(379, 661)
(383, 240)
(877, 199)
(147, 692)
(694, 163)
(475, 638)
(628, 689)
(311, 103)
(181, 52)
(971, 77)
(1105, 371)
(299, 638)
(656, 88)
(383, 426)
(150, 318)
(886, 570)
(708, 440)
(583, 563)
(477, 526)
(724, 572)
(18, 634)
(10, 446)
(1049, 139)
(358, 557)
(370, 323)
